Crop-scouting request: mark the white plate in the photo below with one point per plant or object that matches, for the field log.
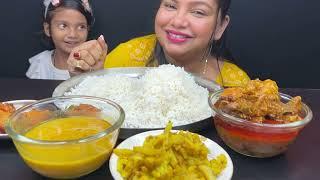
(138, 139)
(17, 104)
(133, 72)
(136, 72)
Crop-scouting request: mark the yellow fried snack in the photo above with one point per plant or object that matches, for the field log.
(180, 155)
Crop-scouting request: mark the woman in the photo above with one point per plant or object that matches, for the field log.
(188, 33)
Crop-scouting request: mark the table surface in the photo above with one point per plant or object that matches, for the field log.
(301, 161)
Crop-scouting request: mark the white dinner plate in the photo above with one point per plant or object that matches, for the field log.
(138, 139)
(17, 104)
(136, 72)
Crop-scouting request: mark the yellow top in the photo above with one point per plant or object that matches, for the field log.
(138, 52)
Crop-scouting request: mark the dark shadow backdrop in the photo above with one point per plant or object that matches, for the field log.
(269, 38)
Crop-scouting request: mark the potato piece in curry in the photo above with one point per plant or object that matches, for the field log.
(6, 109)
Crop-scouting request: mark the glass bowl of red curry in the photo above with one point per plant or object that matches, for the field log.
(253, 139)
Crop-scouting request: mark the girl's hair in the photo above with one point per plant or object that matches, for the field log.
(218, 48)
(51, 5)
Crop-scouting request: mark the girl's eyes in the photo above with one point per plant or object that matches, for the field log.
(62, 26)
(82, 27)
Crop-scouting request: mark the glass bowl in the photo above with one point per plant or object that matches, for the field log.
(66, 137)
(256, 139)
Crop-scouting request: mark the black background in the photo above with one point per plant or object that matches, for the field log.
(269, 38)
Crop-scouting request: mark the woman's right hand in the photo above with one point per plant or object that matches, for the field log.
(89, 56)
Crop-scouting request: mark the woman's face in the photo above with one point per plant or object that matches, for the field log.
(184, 27)
(68, 29)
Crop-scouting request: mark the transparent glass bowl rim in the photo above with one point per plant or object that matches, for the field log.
(19, 137)
(226, 117)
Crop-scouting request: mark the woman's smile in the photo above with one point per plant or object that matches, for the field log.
(177, 37)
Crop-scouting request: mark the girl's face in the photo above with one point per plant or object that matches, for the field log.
(68, 28)
(184, 27)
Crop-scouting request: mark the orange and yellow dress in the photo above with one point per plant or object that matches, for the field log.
(138, 52)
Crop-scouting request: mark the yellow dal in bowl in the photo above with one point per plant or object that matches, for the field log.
(68, 160)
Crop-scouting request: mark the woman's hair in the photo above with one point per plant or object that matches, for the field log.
(218, 48)
(79, 5)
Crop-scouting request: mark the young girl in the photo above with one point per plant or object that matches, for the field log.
(188, 33)
(66, 26)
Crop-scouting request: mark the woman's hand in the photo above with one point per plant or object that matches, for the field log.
(89, 56)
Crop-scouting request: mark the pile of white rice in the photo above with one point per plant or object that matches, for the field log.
(162, 94)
